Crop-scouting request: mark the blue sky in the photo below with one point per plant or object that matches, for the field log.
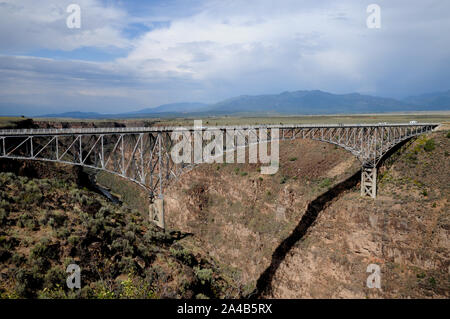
(130, 55)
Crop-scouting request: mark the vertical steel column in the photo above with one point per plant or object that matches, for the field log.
(57, 148)
(369, 181)
(142, 159)
(102, 152)
(123, 154)
(161, 196)
(31, 147)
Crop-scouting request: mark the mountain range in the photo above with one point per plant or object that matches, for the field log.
(286, 103)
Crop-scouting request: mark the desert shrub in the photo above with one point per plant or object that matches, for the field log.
(44, 185)
(116, 233)
(94, 226)
(8, 243)
(45, 216)
(184, 256)
(57, 219)
(54, 276)
(45, 249)
(5, 205)
(27, 282)
(429, 145)
(5, 254)
(432, 281)
(130, 236)
(293, 159)
(203, 275)
(86, 292)
(132, 227)
(134, 287)
(155, 236)
(127, 264)
(73, 240)
(3, 217)
(103, 212)
(40, 264)
(284, 179)
(102, 292)
(448, 134)
(56, 292)
(28, 221)
(62, 233)
(123, 246)
(147, 251)
(325, 183)
(18, 259)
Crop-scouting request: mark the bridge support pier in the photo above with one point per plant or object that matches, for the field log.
(369, 181)
(156, 212)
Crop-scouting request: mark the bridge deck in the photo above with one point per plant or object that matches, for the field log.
(124, 130)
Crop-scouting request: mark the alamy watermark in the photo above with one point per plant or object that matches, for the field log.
(74, 279)
(73, 21)
(211, 145)
(374, 279)
(374, 19)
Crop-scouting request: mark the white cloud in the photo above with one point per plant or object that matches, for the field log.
(28, 25)
(225, 48)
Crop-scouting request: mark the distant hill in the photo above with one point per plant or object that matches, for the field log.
(287, 103)
(164, 110)
(310, 102)
(436, 99)
(174, 108)
(76, 115)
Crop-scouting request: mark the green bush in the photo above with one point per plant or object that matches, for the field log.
(27, 282)
(127, 265)
(4, 254)
(18, 259)
(45, 249)
(203, 275)
(62, 233)
(55, 276)
(123, 246)
(448, 134)
(155, 236)
(184, 256)
(429, 145)
(57, 219)
(73, 240)
(3, 217)
(325, 183)
(28, 221)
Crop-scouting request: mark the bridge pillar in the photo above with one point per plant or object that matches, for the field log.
(369, 181)
(156, 212)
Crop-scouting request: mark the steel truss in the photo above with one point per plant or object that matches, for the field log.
(142, 155)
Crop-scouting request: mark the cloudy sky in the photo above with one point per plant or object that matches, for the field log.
(130, 55)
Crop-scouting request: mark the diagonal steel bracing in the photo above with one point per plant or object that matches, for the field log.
(142, 155)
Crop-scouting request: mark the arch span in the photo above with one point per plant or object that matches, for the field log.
(143, 155)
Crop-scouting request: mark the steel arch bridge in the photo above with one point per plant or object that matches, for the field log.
(143, 154)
